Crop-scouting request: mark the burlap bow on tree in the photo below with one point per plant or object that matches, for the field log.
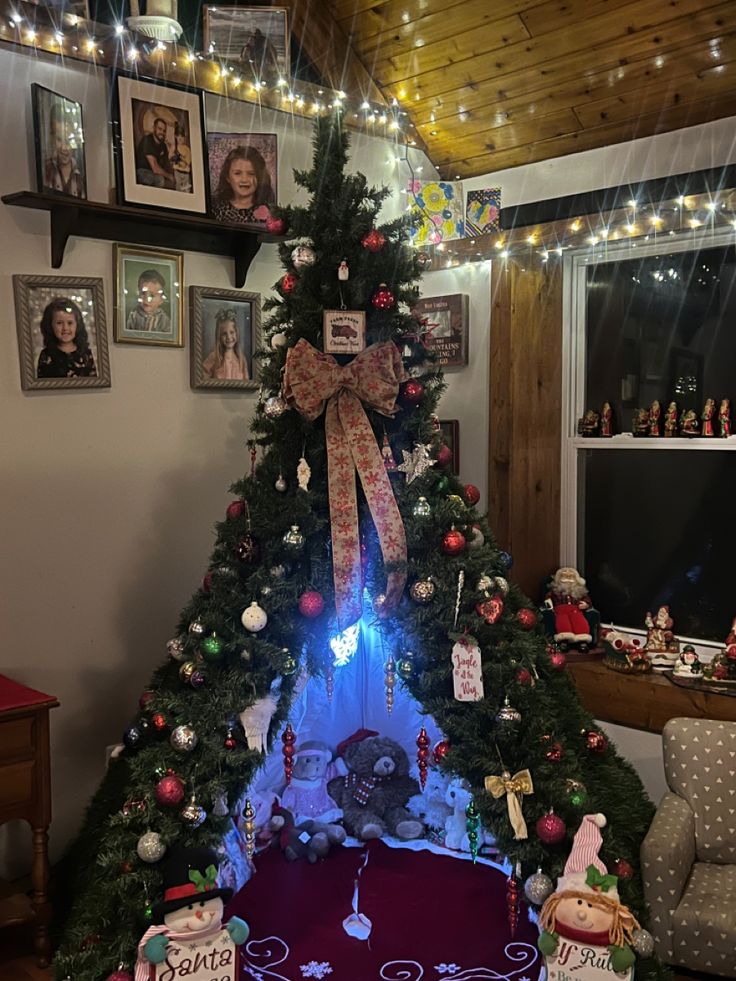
(312, 379)
(514, 788)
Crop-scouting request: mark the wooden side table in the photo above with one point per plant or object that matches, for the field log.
(25, 792)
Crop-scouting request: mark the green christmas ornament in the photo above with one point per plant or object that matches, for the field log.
(289, 663)
(442, 484)
(422, 508)
(211, 647)
(293, 539)
(405, 666)
(472, 824)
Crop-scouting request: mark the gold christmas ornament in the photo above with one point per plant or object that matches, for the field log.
(515, 788)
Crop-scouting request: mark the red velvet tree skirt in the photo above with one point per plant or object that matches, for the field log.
(435, 918)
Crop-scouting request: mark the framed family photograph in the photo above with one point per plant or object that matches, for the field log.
(450, 430)
(225, 328)
(445, 327)
(62, 335)
(59, 139)
(160, 145)
(243, 176)
(255, 40)
(149, 300)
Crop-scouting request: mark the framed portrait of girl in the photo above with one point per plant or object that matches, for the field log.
(243, 175)
(225, 330)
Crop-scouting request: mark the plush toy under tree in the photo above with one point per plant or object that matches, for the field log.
(296, 554)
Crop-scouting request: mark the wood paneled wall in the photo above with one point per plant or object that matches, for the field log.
(525, 416)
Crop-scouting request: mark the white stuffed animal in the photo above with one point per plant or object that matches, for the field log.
(458, 797)
(430, 806)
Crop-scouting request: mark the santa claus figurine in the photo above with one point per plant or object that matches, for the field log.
(568, 597)
(585, 912)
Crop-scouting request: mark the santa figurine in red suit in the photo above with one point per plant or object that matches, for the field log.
(568, 597)
(585, 912)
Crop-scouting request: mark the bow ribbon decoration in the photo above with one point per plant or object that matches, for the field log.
(204, 882)
(314, 382)
(598, 881)
(514, 787)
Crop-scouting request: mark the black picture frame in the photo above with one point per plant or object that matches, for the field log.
(167, 101)
(48, 108)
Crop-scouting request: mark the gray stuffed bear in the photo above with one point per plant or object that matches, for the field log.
(374, 793)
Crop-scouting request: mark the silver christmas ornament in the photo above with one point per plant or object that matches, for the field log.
(254, 618)
(475, 539)
(501, 585)
(293, 539)
(416, 462)
(278, 340)
(274, 407)
(303, 256)
(280, 484)
(266, 590)
(277, 571)
(537, 887)
(219, 807)
(422, 591)
(485, 584)
(183, 739)
(175, 647)
(422, 509)
(643, 942)
(196, 628)
(150, 848)
(507, 713)
(193, 814)
(378, 602)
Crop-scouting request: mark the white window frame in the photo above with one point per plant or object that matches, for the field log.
(575, 266)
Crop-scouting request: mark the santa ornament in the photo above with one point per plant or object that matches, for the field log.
(188, 932)
(587, 933)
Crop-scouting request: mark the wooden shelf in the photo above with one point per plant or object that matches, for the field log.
(644, 701)
(142, 226)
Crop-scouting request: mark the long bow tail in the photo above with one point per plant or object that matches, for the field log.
(514, 788)
(312, 379)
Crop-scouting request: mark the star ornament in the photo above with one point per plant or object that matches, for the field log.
(416, 462)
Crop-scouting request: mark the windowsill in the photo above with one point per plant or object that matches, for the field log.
(630, 442)
(643, 701)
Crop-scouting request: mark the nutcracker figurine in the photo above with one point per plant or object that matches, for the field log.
(670, 420)
(655, 411)
(724, 418)
(689, 425)
(707, 417)
(606, 419)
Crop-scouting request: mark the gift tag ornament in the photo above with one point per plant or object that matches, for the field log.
(467, 673)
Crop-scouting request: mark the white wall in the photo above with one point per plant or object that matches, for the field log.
(109, 497)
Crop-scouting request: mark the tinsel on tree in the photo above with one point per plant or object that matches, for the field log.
(186, 762)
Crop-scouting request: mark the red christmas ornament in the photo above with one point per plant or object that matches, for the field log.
(551, 829)
(527, 618)
(440, 750)
(159, 721)
(230, 741)
(512, 902)
(145, 699)
(383, 298)
(170, 791)
(554, 753)
(120, 975)
(490, 609)
(126, 868)
(596, 741)
(558, 660)
(207, 582)
(311, 604)
(453, 542)
(288, 282)
(275, 226)
(412, 392)
(622, 868)
(235, 509)
(91, 940)
(523, 676)
(422, 755)
(444, 456)
(471, 494)
(373, 240)
(288, 738)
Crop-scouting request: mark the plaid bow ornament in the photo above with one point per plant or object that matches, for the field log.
(314, 382)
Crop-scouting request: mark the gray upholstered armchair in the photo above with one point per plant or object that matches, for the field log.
(689, 854)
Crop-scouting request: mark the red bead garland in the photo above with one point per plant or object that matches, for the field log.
(288, 738)
(422, 755)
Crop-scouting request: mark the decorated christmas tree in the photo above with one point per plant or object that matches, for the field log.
(349, 510)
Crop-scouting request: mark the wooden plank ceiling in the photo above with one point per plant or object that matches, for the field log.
(491, 84)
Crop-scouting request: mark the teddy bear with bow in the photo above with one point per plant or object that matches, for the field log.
(374, 793)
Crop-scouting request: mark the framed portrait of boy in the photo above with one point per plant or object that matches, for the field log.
(160, 149)
(149, 298)
(62, 333)
(253, 40)
(59, 140)
(225, 327)
(450, 430)
(243, 176)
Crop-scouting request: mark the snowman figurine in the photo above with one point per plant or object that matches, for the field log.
(343, 271)
(188, 928)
